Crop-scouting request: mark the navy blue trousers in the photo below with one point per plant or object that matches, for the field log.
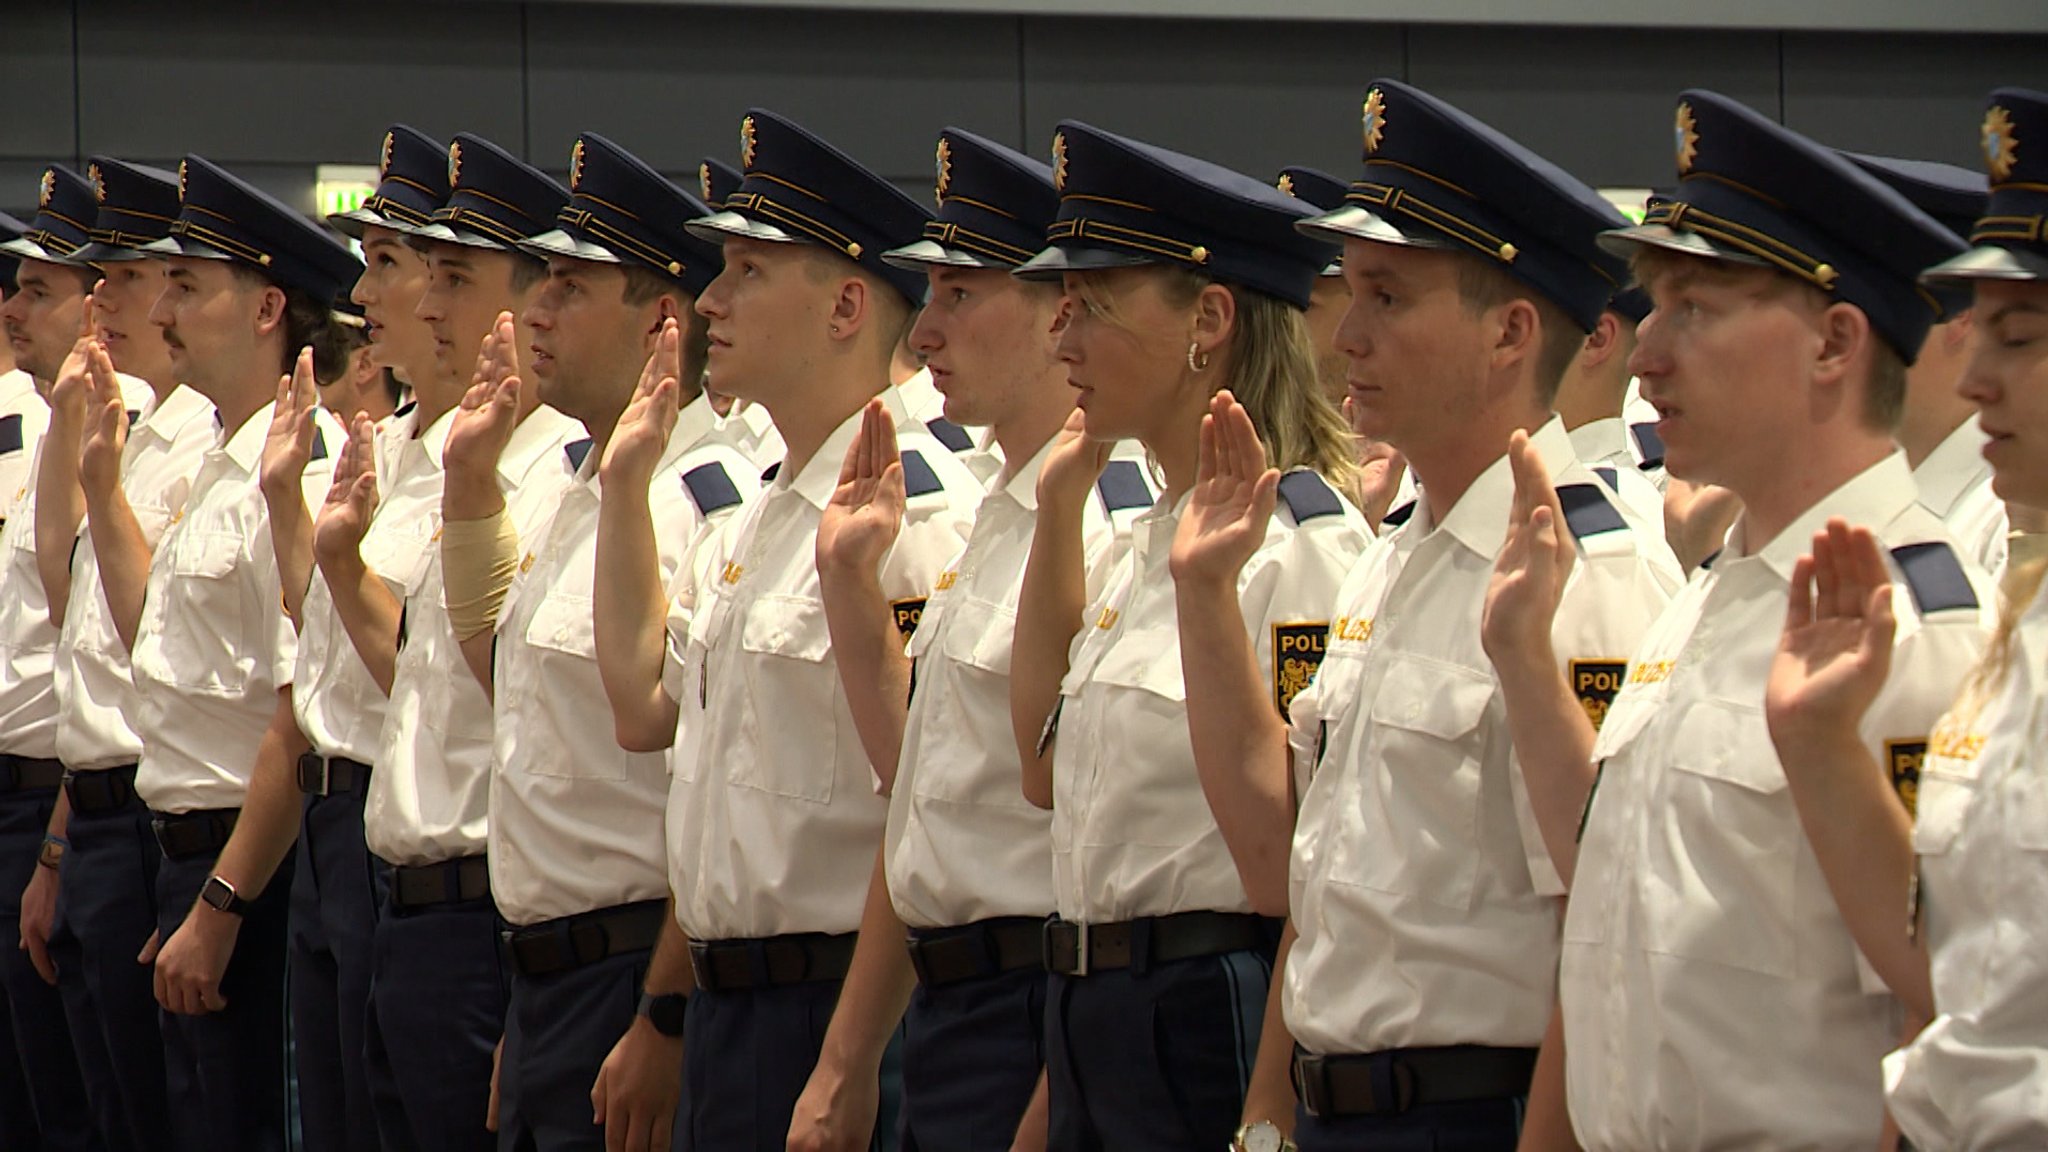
(225, 1070)
(57, 1115)
(333, 928)
(1477, 1126)
(107, 902)
(1157, 1059)
(748, 1055)
(972, 1055)
(437, 1007)
(558, 1030)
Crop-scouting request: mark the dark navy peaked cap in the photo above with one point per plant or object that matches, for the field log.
(994, 207)
(2010, 240)
(494, 200)
(1436, 177)
(1753, 191)
(799, 189)
(1954, 197)
(1126, 203)
(1631, 303)
(63, 219)
(1314, 185)
(10, 230)
(716, 180)
(412, 181)
(136, 207)
(223, 218)
(623, 211)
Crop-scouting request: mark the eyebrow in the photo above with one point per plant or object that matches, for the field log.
(2016, 308)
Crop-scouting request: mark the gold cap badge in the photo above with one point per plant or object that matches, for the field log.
(576, 165)
(455, 164)
(48, 189)
(945, 167)
(99, 184)
(1685, 137)
(1059, 161)
(384, 160)
(747, 143)
(1374, 120)
(1285, 184)
(2001, 148)
(704, 182)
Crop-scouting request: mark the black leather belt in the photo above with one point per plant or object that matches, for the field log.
(185, 835)
(974, 951)
(327, 775)
(23, 774)
(771, 961)
(1073, 949)
(458, 881)
(101, 792)
(1402, 1078)
(553, 947)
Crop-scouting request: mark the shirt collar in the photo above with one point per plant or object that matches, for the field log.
(1873, 497)
(244, 445)
(165, 418)
(1955, 466)
(543, 431)
(920, 395)
(756, 418)
(1598, 440)
(820, 475)
(1479, 520)
(696, 421)
(1022, 486)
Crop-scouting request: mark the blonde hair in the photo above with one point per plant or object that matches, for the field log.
(1269, 365)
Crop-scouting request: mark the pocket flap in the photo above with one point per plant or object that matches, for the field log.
(790, 626)
(1441, 700)
(1723, 740)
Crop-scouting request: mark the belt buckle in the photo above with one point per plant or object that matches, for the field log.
(321, 774)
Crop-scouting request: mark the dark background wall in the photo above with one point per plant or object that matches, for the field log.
(273, 87)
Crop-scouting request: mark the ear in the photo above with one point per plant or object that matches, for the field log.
(1215, 316)
(666, 307)
(270, 310)
(1519, 336)
(1845, 338)
(1956, 333)
(851, 308)
(1604, 342)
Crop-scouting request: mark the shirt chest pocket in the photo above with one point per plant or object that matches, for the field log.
(1419, 799)
(1947, 786)
(792, 701)
(401, 556)
(966, 738)
(1723, 883)
(561, 626)
(205, 612)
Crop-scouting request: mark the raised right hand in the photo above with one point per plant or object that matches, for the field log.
(106, 429)
(489, 412)
(1232, 502)
(641, 435)
(1073, 464)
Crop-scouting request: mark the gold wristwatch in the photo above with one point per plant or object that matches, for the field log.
(1261, 1136)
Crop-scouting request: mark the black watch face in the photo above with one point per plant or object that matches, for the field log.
(217, 893)
(667, 1013)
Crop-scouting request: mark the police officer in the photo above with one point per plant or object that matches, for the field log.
(251, 282)
(1422, 899)
(1183, 281)
(1590, 398)
(43, 317)
(747, 427)
(23, 414)
(575, 841)
(1939, 429)
(1714, 892)
(108, 868)
(803, 322)
(437, 1004)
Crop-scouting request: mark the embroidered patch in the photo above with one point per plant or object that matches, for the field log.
(1903, 759)
(908, 613)
(1596, 683)
(1297, 653)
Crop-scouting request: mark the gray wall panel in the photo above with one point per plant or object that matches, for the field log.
(38, 117)
(1254, 100)
(1598, 103)
(1919, 96)
(250, 80)
(673, 85)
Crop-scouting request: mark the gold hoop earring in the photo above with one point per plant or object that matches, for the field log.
(1198, 360)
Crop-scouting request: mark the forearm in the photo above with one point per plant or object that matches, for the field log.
(1547, 1125)
(1863, 839)
(1269, 1095)
(627, 620)
(59, 825)
(291, 534)
(60, 506)
(668, 968)
(1049, 607)
(1035, 1129)
(123, 555)
(1553, 741)
(877, 989)
(269, 821)
(1240, 742)
(369, 613)
(873, 670)
(478, 560)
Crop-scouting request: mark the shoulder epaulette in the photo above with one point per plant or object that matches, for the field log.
(406, 408)
(953, 436)
(918, 477)
(769, 473)
(711, 488)
(1587, 511)
(319, 444)
(1649, 445)
(1399, 516)
(1935, 577)
(1122, 485)
(576, 450)
(10, 432)
(1308, 496)
(1608, 476)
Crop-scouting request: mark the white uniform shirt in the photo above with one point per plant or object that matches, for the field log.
(1132, 834)
(1977, 1077)
(1421, 889)
(96, 696)
(964, 844)
(576, 821)
(215, 646)
(1713, 998)
(774, 817)
(748, 428)
(338, 704)
(24, 415)
(429, 799)
(28, 641)
(1604, 447)
(1641, 417)
(1955, 484)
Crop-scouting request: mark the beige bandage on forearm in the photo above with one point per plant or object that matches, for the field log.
(478, 559)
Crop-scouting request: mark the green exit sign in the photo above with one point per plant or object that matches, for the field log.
(343, 187)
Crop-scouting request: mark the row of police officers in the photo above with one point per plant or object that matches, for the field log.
(1140, 657)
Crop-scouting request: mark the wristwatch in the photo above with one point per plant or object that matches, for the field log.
(1261, 1136)
(51, 855)
(221, 895)
(664, 1010)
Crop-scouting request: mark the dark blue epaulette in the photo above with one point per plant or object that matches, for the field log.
(1122, 485)
(953, 436)
(1308, 496)
(576, 450)
(1609, 477)
(918, 477)
(10, 433)
(1649, 445)
(1587, 510)
(406, 408)
(1399, 516)
(711, 488)
(319, 444)
(1935, 577)
(769, 473)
